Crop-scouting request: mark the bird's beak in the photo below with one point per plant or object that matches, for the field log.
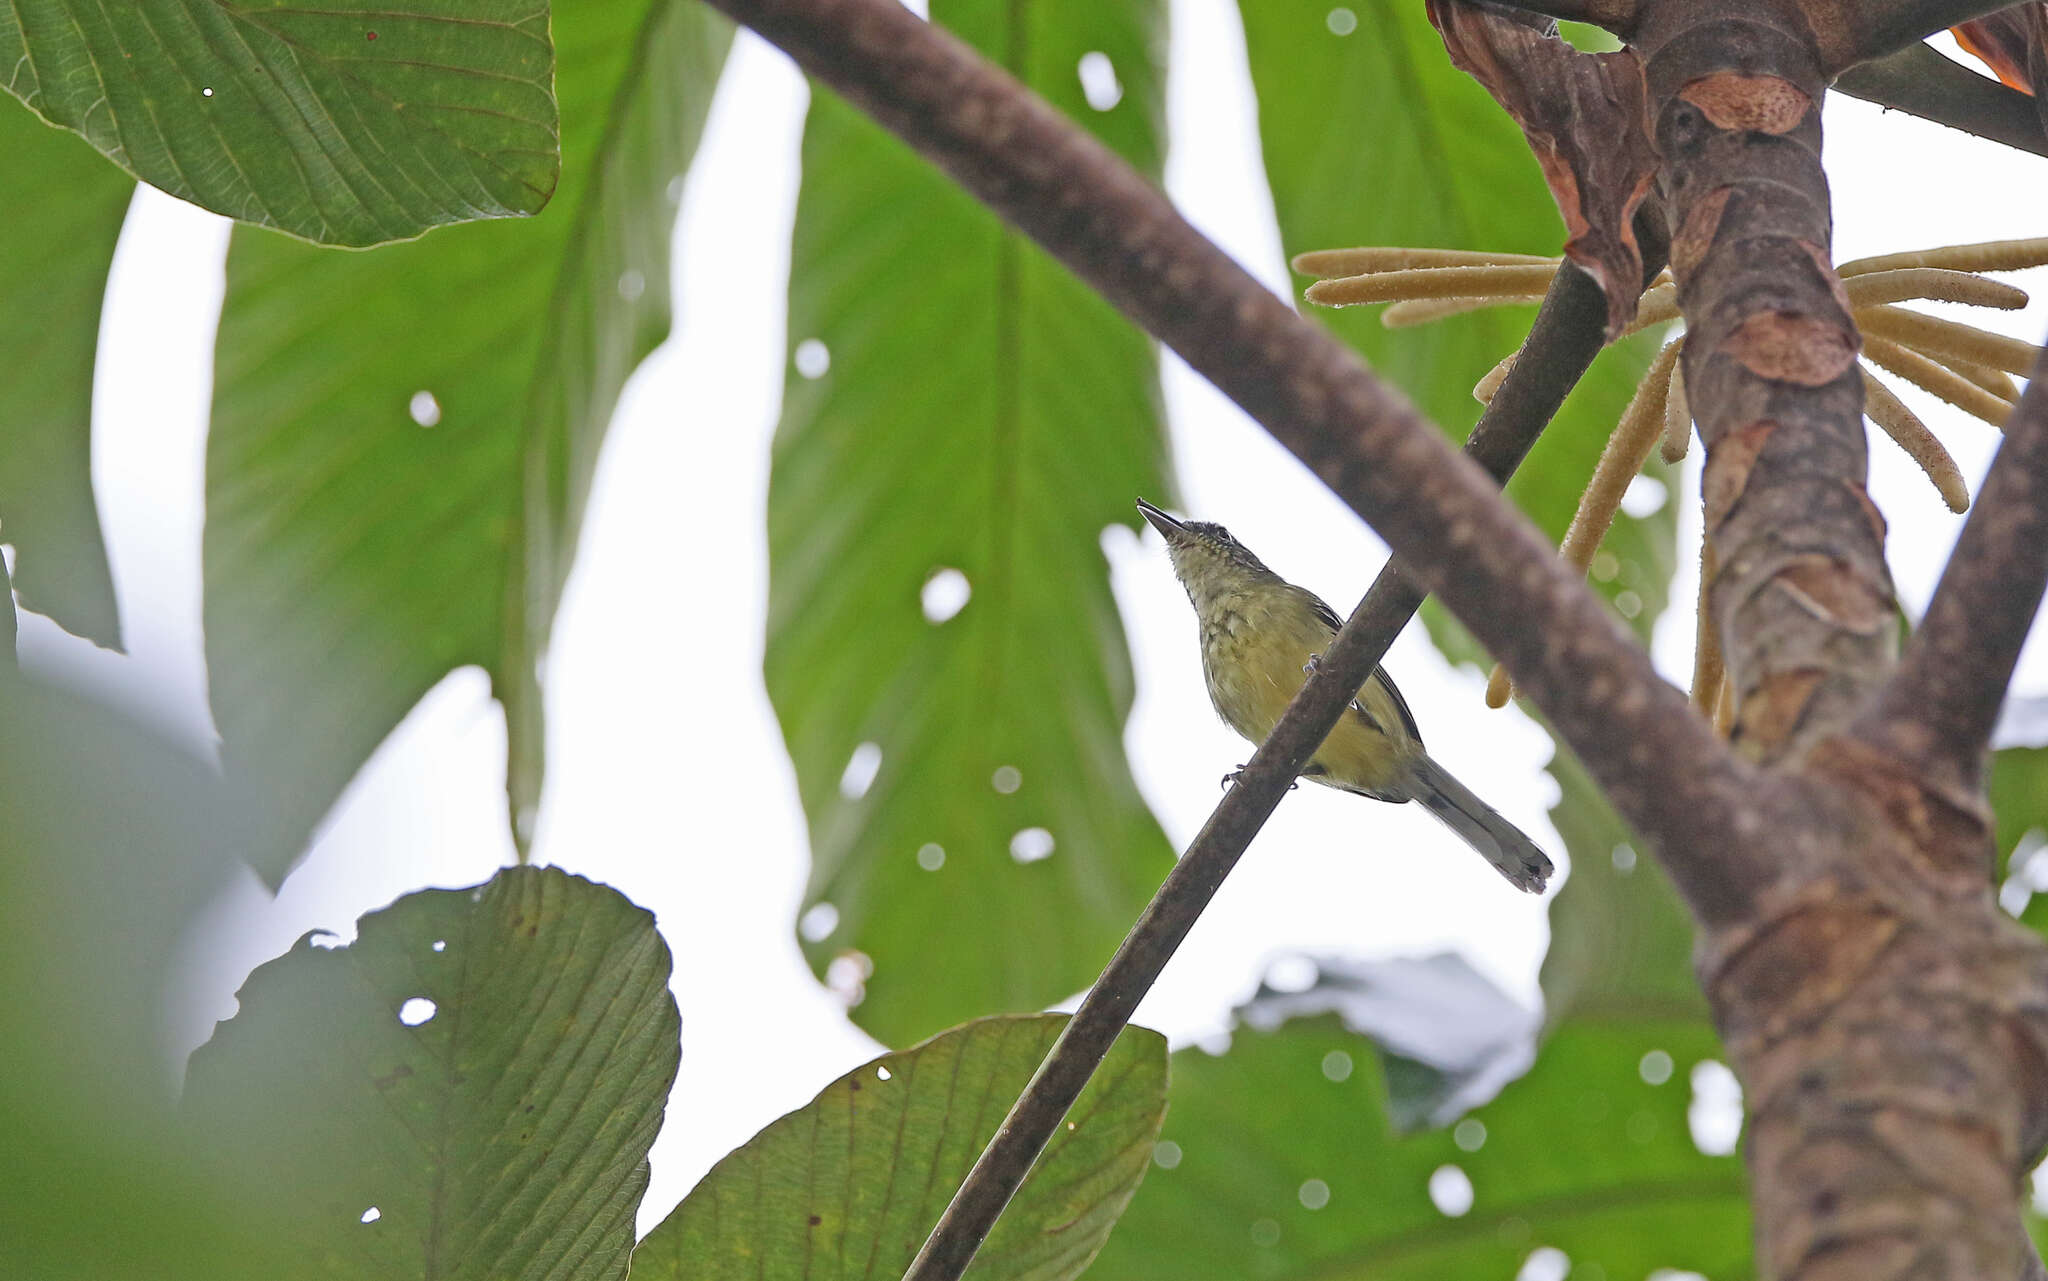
(1171, 529)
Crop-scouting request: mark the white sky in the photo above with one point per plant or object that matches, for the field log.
(630, 770)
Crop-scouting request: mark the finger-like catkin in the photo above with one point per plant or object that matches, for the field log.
(1431, 282)
(1947, 338)
(1922, 372)
(1677, 415)
(1934, 283)
(1420, 311)
(1325, 263)
(1905, 427)
(1989, 255)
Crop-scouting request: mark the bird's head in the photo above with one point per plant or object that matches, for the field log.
(1208, 560)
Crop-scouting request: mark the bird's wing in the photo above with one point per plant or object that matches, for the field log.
(1328, 617)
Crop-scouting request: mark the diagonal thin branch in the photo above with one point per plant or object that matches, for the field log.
(1877, 28)
(1937, 709)
(1563, 341)
(1920, 82)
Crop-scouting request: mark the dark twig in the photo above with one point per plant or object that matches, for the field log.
(1561, 344)
(1614, 15)
(1921, 82)
(1937, 709)
(1879, 28)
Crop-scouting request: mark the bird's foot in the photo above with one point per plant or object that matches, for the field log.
(1238, 773)
(1314, 661)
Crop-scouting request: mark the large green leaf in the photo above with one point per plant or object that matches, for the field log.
(847, 1187)
(402, 441)
(112, 841)
(1373, 138)
(1279, 1163)
(62, 209)
(349, 123)
(983, 414)
(468, 1090)
(2017, 788)
(1620, 939)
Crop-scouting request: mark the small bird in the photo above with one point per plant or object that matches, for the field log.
(1260, 637)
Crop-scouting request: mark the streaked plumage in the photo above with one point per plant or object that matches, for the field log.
(1258, 634)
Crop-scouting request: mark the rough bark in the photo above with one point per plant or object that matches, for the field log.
(1886, 1019)
(1803, 597)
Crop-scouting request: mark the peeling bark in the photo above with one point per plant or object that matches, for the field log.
(1770, 367)
(1585, 118)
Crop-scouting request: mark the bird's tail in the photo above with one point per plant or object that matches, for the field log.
(1500, 842)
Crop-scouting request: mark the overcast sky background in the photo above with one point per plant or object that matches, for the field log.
(667, 775)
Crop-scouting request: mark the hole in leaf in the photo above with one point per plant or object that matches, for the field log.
(1545, 1263)
(417, 1011)
(847, 976)
(945, 594)
(1098, 80)
(1031, 845)
(1715, 1113)
(424, 408)
(881, 1073)
(372, 1214)
(1644, 497)
(861, 768)
(812, 358)
(1450, 1190)
(818, 922)
(440, 945)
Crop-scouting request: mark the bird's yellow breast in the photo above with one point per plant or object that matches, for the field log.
(1254, 649)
